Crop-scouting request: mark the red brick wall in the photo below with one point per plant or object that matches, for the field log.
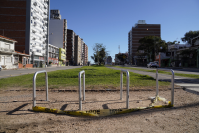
(29, 65)
(20, 65)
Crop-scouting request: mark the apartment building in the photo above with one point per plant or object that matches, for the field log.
(140, 30)
(58, 31)
(78, 53)
(85, 54)
(26, 21)
(53, 54)
(70, 46)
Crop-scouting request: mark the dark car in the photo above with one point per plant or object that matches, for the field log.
(152, 64)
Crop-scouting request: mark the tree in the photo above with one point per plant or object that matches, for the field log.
(122, 57)
(171, 43)
(99, 54)
(189, 35)
(151, 45)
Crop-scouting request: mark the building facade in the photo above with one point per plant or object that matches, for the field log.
(9, 58)
(70, 46)
(53, 54)
(108, 60)
(62, 57)
(7, 51)
(58, 30)
(140, 30)
(26, 21)
(85, 54)
(77, 53)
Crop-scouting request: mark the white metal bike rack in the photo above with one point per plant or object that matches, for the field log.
(34, 86)
(172, 83)
(80, 98)
(127, 86)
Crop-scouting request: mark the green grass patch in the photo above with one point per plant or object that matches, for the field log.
(94, 76)
(163, 72)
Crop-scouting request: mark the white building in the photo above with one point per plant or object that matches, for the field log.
(26, 21)
(53, 54)
(39, 31)
(7, 51)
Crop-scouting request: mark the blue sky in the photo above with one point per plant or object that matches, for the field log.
(109, 21)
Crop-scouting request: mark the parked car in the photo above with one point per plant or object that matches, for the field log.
(152, 64)
(0, 67)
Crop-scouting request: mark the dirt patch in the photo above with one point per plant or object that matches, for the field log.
(95, 87)
(16, 114)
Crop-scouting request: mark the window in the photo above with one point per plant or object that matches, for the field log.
(8, 60)
(24, 60)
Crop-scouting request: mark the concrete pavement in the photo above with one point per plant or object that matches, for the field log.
(188, 84)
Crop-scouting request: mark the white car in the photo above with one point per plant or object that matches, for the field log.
(0, 67)
(152, 64)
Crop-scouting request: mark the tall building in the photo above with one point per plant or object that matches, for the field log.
(140, 30)
(77, 53)
(82, 51)
(85, 54)
(58, 31)
(26, 21)
(70, 46)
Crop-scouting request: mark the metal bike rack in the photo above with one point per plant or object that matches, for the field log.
(127, 86)
(172, 84)
(80, 99)
(34, 86)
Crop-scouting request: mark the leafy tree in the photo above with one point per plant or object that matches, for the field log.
(189, 35)
(170, 43)
(151, 45)
(99, 54)
(122, 57)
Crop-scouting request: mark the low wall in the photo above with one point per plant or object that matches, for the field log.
(29, 65)
(26, 66)
(20, 65)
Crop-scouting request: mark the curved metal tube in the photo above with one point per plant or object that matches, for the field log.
(80, 98)
(34, 86)
(127, 86)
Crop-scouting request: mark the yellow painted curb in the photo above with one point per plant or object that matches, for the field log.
(97, 113)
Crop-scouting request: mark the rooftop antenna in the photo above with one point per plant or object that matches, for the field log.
(119, 48)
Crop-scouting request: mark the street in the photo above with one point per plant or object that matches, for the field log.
(12, 73)
(188, 84)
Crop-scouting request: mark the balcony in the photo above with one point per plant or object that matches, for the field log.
(45, 19)
(35, 3)
(33, 31)
(6, 50)
(34, 17)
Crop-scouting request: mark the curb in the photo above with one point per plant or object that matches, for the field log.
(191, 91)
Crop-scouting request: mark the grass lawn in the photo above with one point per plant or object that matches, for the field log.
(163, 72)
(95, 76)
